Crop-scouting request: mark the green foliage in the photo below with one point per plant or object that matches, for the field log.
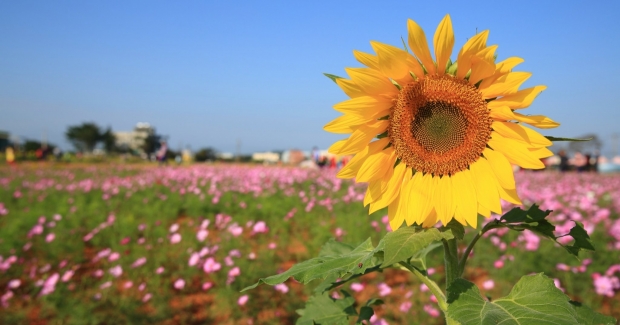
(84, 137)
(533, 300)
(587, 316)
(534, 219)
(323, 310)
(332, 77)
(554, 139)
(403, 243)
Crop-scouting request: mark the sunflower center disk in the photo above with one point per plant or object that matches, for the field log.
(439, 125)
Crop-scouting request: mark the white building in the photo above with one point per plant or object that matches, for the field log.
(134, 140)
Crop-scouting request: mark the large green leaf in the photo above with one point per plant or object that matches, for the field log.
(587, 316)
(335, 258)
(403, 243)
(324, 310)
(533, 300)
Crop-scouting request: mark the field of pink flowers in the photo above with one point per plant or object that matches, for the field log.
(113, 244)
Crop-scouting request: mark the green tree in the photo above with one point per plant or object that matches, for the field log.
(205, 154)
(84, 137)
(109, 141)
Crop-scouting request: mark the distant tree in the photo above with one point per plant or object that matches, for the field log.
(84, 137)
(205, 154)
(33, 145)
(109, 141)
(151, 143)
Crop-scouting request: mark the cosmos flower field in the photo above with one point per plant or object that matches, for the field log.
(123, 244)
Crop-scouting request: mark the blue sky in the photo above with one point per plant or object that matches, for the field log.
(207, 73)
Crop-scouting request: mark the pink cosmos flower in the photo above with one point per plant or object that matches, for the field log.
(175, 238)
(159, 270)
(384, 289)
(179, 284)
(14, 284)
(202, 234)
(116, 271)
(139, 262)
(105, 285)
(488, 284)
(114, 256)
(260, 227)
(147, 297)
(405, 306)
(432, 311)
(243, 300)
(235, 229)
(50, 237)
(357, 287)
(207, 285)
(193, 259)
(127, 285)
(211, 265)
(272, 245)
(498, 264)
(281, 287)
(174, 227)
(50, 284)
(67, 276)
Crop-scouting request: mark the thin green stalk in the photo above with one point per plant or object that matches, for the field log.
(470, 247)
(451, 260)
(432, 285)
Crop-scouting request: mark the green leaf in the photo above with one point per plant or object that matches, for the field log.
(550, 138)
(322, 309)
(366, 311)
(587, 316)
(533, 300)
(457, 229)
(534, 213)
(405, 242)
(332, 77)
(582, 240)
(335, 258)
(419, 258)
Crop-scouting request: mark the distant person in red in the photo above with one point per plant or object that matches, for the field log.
(332, 162)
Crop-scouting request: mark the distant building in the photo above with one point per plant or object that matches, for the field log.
(268, 157)
(134, 140)
(224, 155)
(293, 157)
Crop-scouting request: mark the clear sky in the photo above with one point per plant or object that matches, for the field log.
(207, 73)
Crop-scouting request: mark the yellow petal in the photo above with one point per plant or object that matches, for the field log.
(366, 59)
(484, 211)
(541, 152)
(373, 192)
(419, 46)
(350, 88)
(486, 185)
(347, 123)
(501, 68)
(506, 85)
(466, 201)
(351, 169)
(501, 168)
(392, 60)
(502, 113)
(539, 121)
(371, 81)
(395, 218)
(361, 137)
(443, 43)
(420, 196)
(471, 47)
(482, 64)
(516, 152)
(376, 165)
(431, 220)
(521, 133)
(363, 105)
(337, 146)
(444, 200)
(392, 189)
(521, 99)
(509, 195)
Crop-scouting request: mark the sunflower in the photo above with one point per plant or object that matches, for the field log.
(435, 139)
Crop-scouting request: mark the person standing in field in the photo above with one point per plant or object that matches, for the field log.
(161, 153)
(10, 155)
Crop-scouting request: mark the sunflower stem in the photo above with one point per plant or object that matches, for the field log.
(451, 260)
(432, 285)
(470, 247)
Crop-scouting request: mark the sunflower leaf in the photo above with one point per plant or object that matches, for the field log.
(533, 300)
(322, 309)
(550, 138)
(332, 76)
(403, 243)
(335, 258)
(587, 316)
